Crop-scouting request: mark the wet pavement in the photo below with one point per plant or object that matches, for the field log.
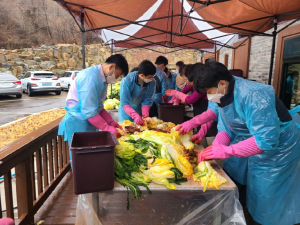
(12, 108)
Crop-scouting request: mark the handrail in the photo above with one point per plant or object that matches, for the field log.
(41, 160)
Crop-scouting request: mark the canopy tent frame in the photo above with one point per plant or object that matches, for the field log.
(172, 33)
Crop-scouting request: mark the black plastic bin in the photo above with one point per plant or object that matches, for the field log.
(93, 161)
(171, 113)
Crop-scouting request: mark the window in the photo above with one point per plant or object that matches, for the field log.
(67, 74)
(290, 84)
(210, 60)
(44, 75)
(27, 75)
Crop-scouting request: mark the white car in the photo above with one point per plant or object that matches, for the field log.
(65, 80)
(38, 81)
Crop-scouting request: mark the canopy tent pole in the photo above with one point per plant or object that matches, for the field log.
(273, 50)
(82, 38)
(215, 52)
(111, 53)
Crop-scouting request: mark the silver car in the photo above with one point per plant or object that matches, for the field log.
(10, 85)
(36, 81)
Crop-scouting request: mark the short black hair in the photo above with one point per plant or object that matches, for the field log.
(147, 68)
(210, 74)
(120, 61)
(166, 69)
(181, 68)
(180, 63)
(161, 60)
(134, 69)
(192, 72)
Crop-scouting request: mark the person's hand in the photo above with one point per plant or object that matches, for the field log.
(184, 128)
(145, 111)
(197, 138)
(138, 119)
(164, 99)
(113, 130)
(117, 133)
(215, 152)
(170, 92)
(115, 124)
(172, 100)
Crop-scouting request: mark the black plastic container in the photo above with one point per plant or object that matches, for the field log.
(93, 161)
(171, 113)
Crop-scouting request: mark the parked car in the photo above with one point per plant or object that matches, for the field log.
(10, 85)
(66, 78)
(38, 81)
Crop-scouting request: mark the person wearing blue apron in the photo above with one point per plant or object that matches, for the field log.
(137, 93)
(259, 141)
(180, 82)
(161, 85)
(85, 111)
(171, 78)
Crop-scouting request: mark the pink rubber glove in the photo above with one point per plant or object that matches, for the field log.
(105, 115)
(222, 138)
(175, 101)
(196, 121)
(134, 115)
(203, 131)
(164, 99)
(145, 111)
(7, 221)
(244, 148)
(177, 94)
(172, 100)
(101, 124)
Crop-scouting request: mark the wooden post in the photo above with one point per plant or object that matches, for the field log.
(60, 157)
(226, 60)
(55, 153)
(8, 195)
(24, 188)
(50, 158)
(32, 177)
(39, 172)
(45, 167)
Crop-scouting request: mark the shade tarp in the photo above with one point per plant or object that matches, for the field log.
(259, 13)
(191, 24)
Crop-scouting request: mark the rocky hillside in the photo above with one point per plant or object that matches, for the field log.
(61, 57)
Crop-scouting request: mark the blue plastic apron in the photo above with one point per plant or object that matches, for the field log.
(234, 166)
(273, 184)
(73, 122)
(136, 103)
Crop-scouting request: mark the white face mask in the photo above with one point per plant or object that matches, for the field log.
(147, 80)
(111, 79)
(215, 97)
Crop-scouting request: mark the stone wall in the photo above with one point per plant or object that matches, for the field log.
(62, 57)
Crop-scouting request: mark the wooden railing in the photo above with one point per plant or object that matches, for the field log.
(41, 160)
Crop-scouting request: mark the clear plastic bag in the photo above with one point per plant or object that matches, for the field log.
(188, 206)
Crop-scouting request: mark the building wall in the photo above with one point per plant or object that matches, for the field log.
(260, 54)
(260, 57)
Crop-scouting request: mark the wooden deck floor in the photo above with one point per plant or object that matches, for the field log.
(60, 208)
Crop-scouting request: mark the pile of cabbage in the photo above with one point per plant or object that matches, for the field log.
(111, 104)
(159, 157)
(114, 92)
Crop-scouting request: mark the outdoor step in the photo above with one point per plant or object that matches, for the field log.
(60, 221)
(61, 213)
(64, 206)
